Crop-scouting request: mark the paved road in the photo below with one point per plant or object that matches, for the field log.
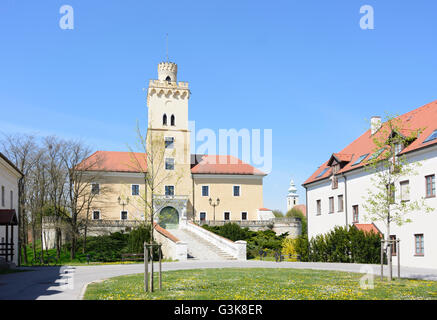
(68, 283)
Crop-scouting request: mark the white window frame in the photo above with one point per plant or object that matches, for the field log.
(201, 189)
(206, 215)
(318, 212)
(342, 203)
(99, 214)
(131, 191)
(174, 190)
(165, 164)
(224, 217)
(127, 214)
(239, 188)
(404, 192)
(247, 216)
(331, 206)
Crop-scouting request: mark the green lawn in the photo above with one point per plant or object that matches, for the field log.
(260, 284)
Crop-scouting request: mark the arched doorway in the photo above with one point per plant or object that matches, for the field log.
(168, 218)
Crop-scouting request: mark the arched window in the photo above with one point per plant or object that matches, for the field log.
(172, 120)
(164, 120)
(168, 79)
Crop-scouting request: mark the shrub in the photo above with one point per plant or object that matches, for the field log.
(341, 244)
(137, 237)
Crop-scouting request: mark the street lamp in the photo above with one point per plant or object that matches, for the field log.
(214, 204)
(123, 202)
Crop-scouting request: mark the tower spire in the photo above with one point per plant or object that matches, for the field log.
(166, 37)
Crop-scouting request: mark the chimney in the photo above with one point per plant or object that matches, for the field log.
(375, 124)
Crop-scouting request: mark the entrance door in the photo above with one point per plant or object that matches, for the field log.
(168, 218)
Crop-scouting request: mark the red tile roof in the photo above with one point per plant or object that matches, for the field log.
(165, 233)
(264, 209)
(367, 227)
(218, 164)
(114, 161)
(424, 118)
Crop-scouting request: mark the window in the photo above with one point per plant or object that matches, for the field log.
(135, 189)
(236, 191)
(3, 196)
(433, 136)
(169, 191)
(393, 245)
(172, 120)
(340, 203)
(430, 186)
(95, 188)
(392, 195)
(405, 190)
(360, 159)
(164, 120)
(420, 251)
(202, 216)
(169, 142)
(227, 215)
(319, 207)
(376, 154)
(322, 173)
(398, 148)
(96, 215)
(355, 218)
(334, 184)
(168, 79)
(123, 215)
(169, 164)
(244, 216)
(331, 205)
(205, 191)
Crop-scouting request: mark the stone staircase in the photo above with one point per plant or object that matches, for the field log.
(199, 248)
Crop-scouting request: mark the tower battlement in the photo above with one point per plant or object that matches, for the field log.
(167, 71)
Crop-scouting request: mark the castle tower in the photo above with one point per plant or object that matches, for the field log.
(292, 196)
(168, 138)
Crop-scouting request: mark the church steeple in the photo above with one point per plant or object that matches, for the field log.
(292, 196)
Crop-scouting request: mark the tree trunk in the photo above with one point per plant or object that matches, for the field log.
(389, 251)
(84, 238)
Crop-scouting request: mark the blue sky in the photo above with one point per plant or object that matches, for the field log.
(304, 69)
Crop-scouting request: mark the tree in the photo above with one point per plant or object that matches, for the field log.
(151, 162)
(296, 213)
(278, 213)
(23, 151)
(79, 194)
(388, 167)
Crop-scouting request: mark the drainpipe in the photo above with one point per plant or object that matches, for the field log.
(345, 198)
(194, 212)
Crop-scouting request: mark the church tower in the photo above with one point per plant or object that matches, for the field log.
(168, 139)
(292, 197)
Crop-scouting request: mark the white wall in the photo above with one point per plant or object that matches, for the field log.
(9, 179)
(358, 182)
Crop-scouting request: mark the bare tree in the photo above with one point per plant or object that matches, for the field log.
(22, 150)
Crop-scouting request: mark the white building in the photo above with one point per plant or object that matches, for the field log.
(292, 196)
(9, 178)
(337, 199)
